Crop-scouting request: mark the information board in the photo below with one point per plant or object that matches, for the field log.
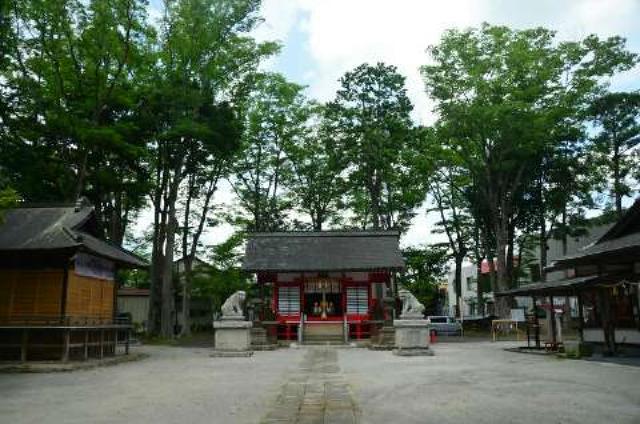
(517, 315)
(94, 267)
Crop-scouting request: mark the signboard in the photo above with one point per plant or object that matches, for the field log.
(517, 315)
(94, 267)
(322, 285)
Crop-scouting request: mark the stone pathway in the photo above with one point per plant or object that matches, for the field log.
(316, 393)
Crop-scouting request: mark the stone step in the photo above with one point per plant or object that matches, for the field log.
(323, 329)
(322, 334)
(328, 338)
(323, 343)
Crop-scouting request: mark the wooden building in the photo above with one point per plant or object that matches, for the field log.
(135, 303)
(605, 278)
(326, 285)
(57, 284)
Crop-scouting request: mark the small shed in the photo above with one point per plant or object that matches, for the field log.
(57, 283)
(135, 303)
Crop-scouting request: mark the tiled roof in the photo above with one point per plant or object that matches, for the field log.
(323, 251)
(549, 286)
(57, 228)
(623, 237)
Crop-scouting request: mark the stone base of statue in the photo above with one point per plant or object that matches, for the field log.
(412, 337)
(232, 337)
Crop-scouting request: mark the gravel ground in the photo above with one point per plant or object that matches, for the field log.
(481, 383)
(174, 385)
(473, 382)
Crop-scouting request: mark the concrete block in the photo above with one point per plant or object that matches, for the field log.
(232, 336)
(412, 337)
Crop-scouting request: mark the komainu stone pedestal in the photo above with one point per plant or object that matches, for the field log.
(412, 337)
(232, 338)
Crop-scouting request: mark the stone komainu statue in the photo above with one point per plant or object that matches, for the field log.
(411, 308)
(232, 307)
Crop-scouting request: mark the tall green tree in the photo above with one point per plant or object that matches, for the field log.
(370, 120)
(503, 94)
(617, 118)
(69, 78)
(225, 276)
(275, 118)
(426, 267)
(205, 55)
(315, 184)
(553, 206)
(197, 206)
(447, 191)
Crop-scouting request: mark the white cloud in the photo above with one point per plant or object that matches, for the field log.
(342, 35)
(279, 18)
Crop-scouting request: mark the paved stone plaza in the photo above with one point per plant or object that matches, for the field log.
(464, 382)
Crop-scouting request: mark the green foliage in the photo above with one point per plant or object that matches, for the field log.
(194, 115)
(137, 278)
(73, 71)
(617, 117)
(371, 123)
(8, 198)
(509, 99)
(315, 183)
(224, 277)
(276, 113)
(425, 269)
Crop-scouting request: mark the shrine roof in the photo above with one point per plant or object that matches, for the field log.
(323, 251)
(58, 228)
(621, 243)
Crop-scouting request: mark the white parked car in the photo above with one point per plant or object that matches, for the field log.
(445, 326)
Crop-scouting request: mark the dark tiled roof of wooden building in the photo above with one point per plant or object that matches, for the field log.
(323, 251)
(58, 228)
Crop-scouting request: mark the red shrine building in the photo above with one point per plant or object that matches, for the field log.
(324, 284)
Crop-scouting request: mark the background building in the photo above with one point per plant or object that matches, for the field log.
(530, 272)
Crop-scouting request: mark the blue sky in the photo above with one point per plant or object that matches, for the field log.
(322, 39)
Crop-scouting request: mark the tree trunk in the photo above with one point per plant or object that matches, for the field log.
(375, 209)
(317, 220)
(82, 173)
(155, 294)
(458, 285)
(543, 247)
(552, 321)
(186, 296)
(518, 267)
(608, 326)
(168, 301)
(503, 303)
(479, 258)
(167, 313)
(118, 222)
(617, 184)
(510, 255)
(480, 298)
(157, 260)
